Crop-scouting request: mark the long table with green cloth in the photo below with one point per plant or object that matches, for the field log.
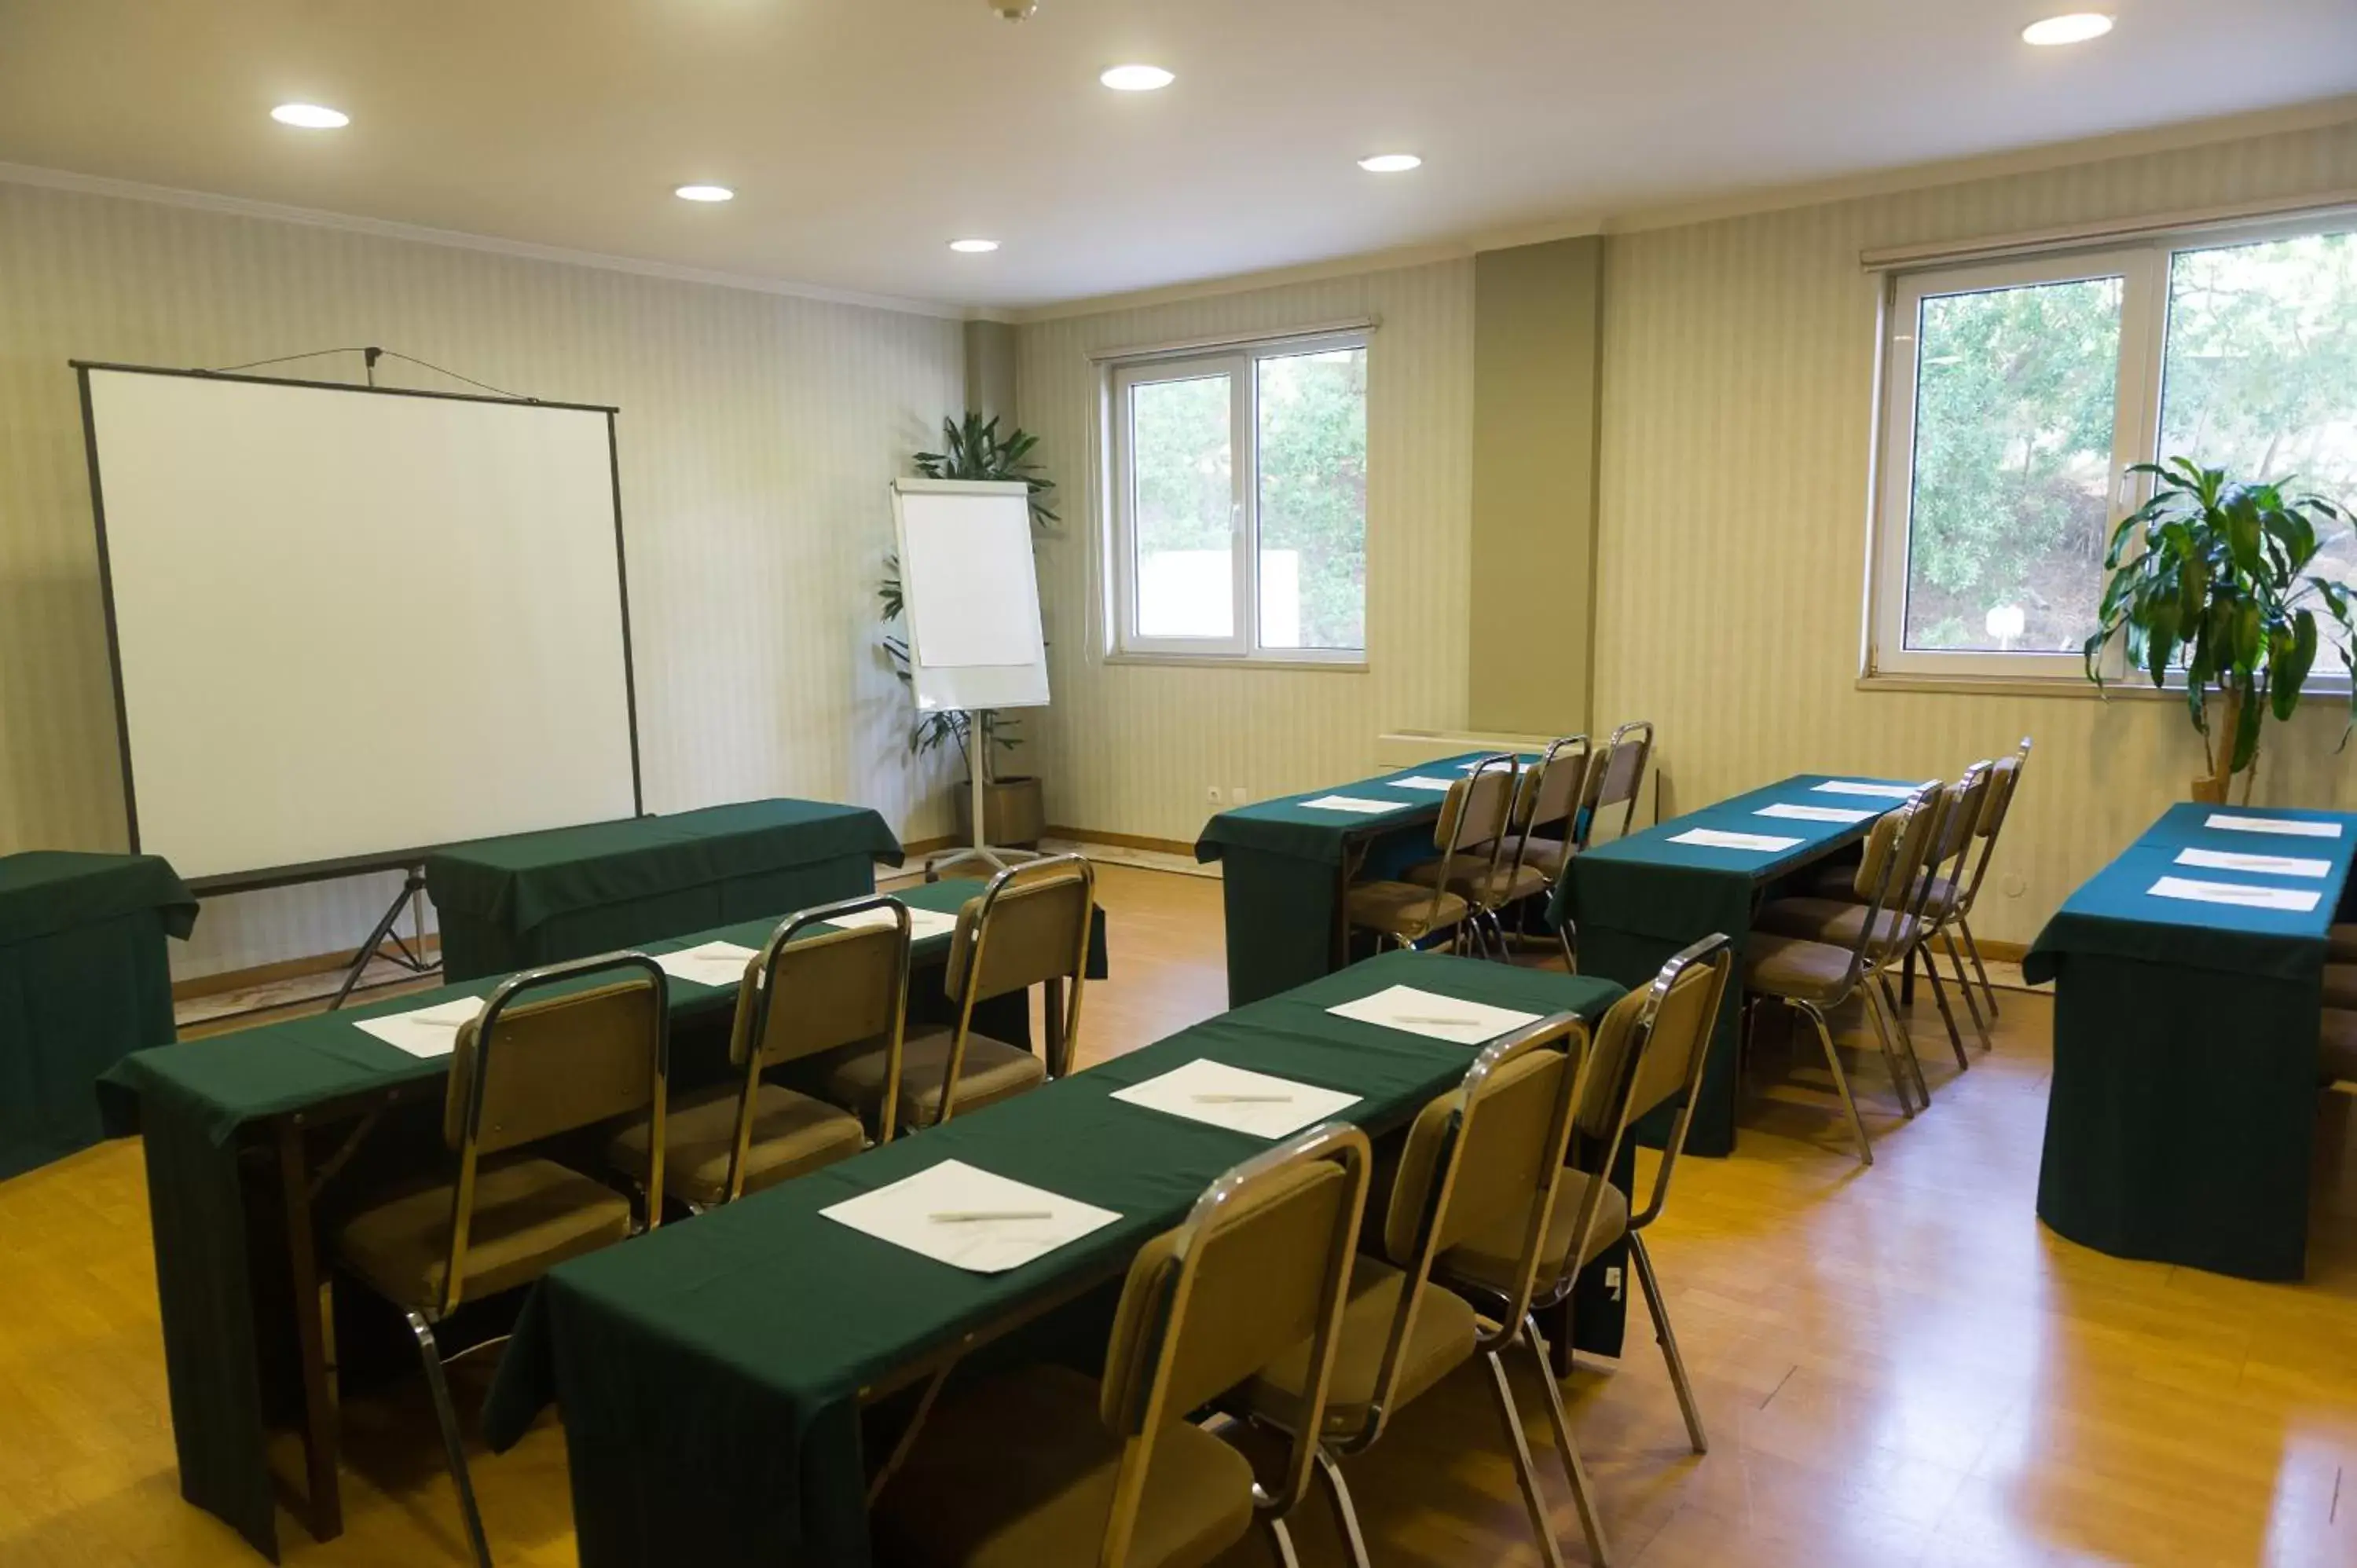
(510, 903)
(1284, 865)
(2178, 1125)
(85, 978)
(711, 1374)
(1638, 900)
(232, 1127)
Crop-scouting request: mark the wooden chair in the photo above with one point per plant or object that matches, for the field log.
(1473, 1159)
(1649, 1048)
(1042, 1466)
(538, 1062)
(1814, 977)
(1473, 818)
(802, 994)
(1029, 926)
(1616, 779)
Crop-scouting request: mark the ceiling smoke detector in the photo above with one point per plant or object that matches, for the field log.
(1013, 10)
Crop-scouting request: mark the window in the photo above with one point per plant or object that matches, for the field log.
(1239, 515)
(2019, 391)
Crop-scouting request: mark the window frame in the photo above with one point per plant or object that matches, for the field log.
(1240, 362)
(2145, 267)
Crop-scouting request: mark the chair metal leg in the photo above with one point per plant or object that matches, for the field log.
(1973, 948)
(1841, 1079)
(1947, 1013)
(1346, 1512)
(1570, 948)
(447, 1414)
(1900, 1084)
(1526, 1472)
(1972, 1002)
(1666, 1337)
(1583, 1492)
(1908, 1061)
(1282, 1539)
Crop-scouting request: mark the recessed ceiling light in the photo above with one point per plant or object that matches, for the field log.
(311, 117)
(974, 247)
(1391, 163)
(2075, 28)
(704, 193)
(1137, 78)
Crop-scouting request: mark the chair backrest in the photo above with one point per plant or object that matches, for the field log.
(1029, 926)
(1474, 1158)
(1617, 778)
(1896, 848)
(1477, 811)
(1261, 1263)
(1960, 816)
(549, 1055)
(1552, 790)
(2005, 778)
(809, 991)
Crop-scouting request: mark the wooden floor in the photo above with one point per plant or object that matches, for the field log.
(1898, 1366)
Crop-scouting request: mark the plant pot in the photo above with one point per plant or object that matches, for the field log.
(1014, 812)
(2209, 792)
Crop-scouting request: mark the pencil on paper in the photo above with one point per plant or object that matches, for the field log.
(970, 1215)
(1243, 1099)
(1425, 1018)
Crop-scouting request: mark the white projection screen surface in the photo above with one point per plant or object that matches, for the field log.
(351, 624)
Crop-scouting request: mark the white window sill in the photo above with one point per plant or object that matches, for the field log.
(2131, 685)
(1241, 662)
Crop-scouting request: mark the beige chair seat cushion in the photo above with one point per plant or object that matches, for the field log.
(1840, 882)
(993, 1070)
(1444, 1339)
(1835, 923)
(1546, 855)
(792, 1133)
(1019, 1473)
(2337, 1047)
(2340, 985)
(530, 1216)
(2341, 944)
(1401, 908)
(1489, 1260)
(1789, 966)
(1471, 877)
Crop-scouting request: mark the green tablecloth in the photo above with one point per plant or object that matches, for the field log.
(1639, 900)
(511, 903)
(1284, 865)
(710, 1374)
(84, 979)
(2185, 1051)
(201, 1105)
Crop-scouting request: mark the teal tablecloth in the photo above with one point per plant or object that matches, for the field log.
(1637, 900)
(201, 1105)
(1285, 863)
(2185, 1051)
(512, 902)
(84, 980)
(710, 1374)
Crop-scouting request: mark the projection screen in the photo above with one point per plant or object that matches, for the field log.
(349, 625)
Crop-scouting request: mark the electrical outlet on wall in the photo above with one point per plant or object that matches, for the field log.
(1238, 795)
(1212, 796)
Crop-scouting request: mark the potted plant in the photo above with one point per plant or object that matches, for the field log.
(2213, 580)
(1015, 808)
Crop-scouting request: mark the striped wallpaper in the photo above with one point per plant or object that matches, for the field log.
(1133, 747)
(1739, 363)
(756, 434)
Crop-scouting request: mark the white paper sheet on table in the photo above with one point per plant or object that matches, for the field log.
(427, 1032)
(711, 963)
(1435, 1017)
(1850, 787)
(2297, 900)
(2269, 864)
(1815, 814)
(1711, 838)
(2295, 826)
(1360, 804)
(1438, 786)
(904, 1214)
(1236, 1099)
(922, 923)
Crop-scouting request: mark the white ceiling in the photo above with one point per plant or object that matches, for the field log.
(862, 136)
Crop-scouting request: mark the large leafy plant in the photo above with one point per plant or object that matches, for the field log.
(972, 449)
(2215, 579)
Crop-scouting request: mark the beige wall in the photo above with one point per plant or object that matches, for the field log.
(1738, 365)
(1536, 321)
(756, 434)
(1132, 748)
